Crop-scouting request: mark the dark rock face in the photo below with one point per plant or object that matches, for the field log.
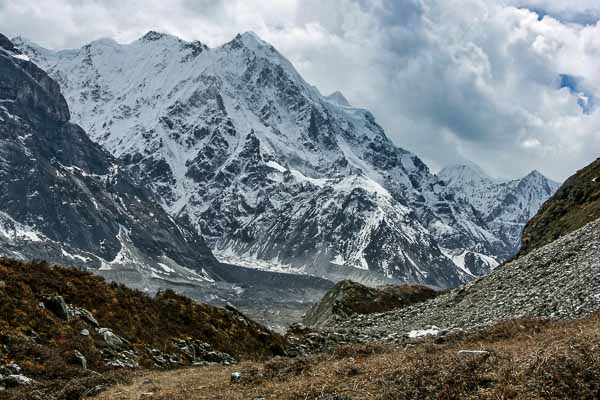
(348, 298)
(32, 90)
(575, 204)
(64, 189)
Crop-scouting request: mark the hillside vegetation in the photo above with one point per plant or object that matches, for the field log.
(43, 335)
(575, 204)
(347, 298)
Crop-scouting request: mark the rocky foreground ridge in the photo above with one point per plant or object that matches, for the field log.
(347, 298)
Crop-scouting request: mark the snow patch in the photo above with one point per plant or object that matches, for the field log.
(432, 331)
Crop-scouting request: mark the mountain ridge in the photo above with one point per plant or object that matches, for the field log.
(267, 168)
(69, 196)
(506, 206)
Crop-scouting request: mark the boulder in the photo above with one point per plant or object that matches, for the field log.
(219, 358)
(236, 377)
(112, 340)
(87, 317)
(58, 306)
(79, 359)
(14, 367)
(17, 380)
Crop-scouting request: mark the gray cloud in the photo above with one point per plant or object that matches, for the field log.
(451, 80)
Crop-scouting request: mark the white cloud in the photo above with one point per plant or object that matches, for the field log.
(474, 79)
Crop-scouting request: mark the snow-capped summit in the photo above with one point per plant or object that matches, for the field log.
(475, 186)
(505, 206)
(272, 173)
(338, 98)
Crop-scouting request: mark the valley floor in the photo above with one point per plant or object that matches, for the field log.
(512, 360)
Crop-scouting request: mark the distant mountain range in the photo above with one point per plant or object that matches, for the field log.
(276, 176)
(505, 206)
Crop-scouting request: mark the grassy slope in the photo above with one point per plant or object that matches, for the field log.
(574, 205)
(530, 360)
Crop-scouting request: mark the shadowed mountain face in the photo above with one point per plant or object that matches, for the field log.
(272, 173)
(65, 199)
(574, 205)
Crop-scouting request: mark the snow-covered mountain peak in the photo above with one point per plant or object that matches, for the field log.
(338, 98)
(252, 42)
(235, 140)
(69, 196)
(250, 38)
(152, 36)
(464, 174)
(537, 177)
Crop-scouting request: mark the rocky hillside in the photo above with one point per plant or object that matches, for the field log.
(505, 206)
(347, 298)
(576, 203)
(559, 280)
(272, 173)
(61, 324)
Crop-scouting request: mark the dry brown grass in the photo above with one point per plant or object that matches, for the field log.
(528, 360)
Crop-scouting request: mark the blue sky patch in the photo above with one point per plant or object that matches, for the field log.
(585, 98)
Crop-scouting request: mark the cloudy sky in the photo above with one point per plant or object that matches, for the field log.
(512, 85)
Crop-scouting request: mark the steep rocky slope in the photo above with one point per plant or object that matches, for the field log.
(506, 206)
(273, 174)
(576, 203)
(559, 280)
